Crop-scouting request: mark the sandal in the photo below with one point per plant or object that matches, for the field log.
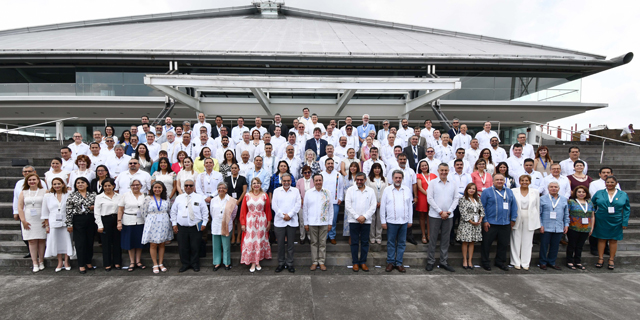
(580, 266)
(599, 264)
(424, 239)
(131, 267)
(571, 266)
(162, 268)
(140, 265)
(610, 266)
(156, 269)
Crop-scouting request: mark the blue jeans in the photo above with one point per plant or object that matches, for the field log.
(359, 242)
(332, 233)
(549, 245)
(396, 243)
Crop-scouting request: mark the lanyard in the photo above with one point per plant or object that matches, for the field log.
(378, 183)
(484, 179)
(544, 164)
(611, 197)
(425, 179)
(554, 205)
(234, 183)
(337, 179)
(586, 205)
(157, 205)
(504, 197)
(32, 198)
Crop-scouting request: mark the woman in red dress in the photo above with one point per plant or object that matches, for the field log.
(424, 177)
(255, 218)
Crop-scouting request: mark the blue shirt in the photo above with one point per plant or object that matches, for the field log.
(142, 137)
(263, 175)
(561, 210)
(363, 132)
(493, 203)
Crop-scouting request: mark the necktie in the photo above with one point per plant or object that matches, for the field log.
(415, 154)
(190, 208)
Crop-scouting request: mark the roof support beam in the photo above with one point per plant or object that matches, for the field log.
(423, 100)
(180, 96)
(262, 99)
(344, 99)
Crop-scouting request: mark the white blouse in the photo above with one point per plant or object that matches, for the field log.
(105, 206)
(132, 209)
(50, 175)
(75, 174)
(217, 212)
(54, 210)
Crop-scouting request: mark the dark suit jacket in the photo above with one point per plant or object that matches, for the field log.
(215, 134)
(284, 130)
(94, 186)
(311, 145)
(410, 159)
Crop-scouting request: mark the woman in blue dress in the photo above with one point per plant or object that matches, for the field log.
(612, 210)
(157, 224)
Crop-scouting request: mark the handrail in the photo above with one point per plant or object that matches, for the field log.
(39, 124)
(604, 139)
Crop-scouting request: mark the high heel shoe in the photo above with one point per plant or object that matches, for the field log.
(35, 268)
(41, 266)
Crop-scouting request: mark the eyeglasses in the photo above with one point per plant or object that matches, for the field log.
(307, 172)
(385, 124)
(109, 140)
(136, 185)
(133, 163)
(429, 151)
(188, 185)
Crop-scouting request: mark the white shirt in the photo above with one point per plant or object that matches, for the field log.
(118, 165)
(180, 213)
(69, 165)
(286, 202)
(216, 210)
(199, 146)
(366, 166)
(54, 210)
(461, 181)
(626, 130)
(262, 131)
(353, 141)
(154, 149)
(383, 134)
(123, 181)
(105, 206)
(565, 185)
(461, 141)
(536, 179)
(270, 164)
(567, 169)
(433, 164)
(78, 149)
(196, 127)
(484, 138)
(207, 183)
(404, 134)
(276, 142)
(312, 209)
(108, 153)
(472, 155)
(442, 196)
(294, 166)
(332, 139)
(527, 151)
(312, 126)
(101, 158)
(396, 206)
(189, 149)
(466, 168)
(427, 134)
(445, 153)
(242, 146)
(410, 177)
(221, 151)
(516, 166)
(333, 182)
(301, 139)
(237, 133)
(132, 208)
(336, 162)
(282, 152)
(168, 146)
(218, 142)
(498, 155)
(75, 174)
(360, 203)
(246, 167)
(340, 151)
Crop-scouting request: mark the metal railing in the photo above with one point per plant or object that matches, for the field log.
(37, 125)
(420, 122)
(604, 139)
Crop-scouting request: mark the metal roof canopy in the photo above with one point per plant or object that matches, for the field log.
(344, 87)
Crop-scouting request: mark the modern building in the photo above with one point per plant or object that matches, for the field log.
(269, 58)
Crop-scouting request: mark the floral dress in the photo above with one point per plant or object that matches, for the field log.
(255, 216)
(466, 231)
(157, 224)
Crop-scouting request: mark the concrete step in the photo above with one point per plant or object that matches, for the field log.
(8, 171)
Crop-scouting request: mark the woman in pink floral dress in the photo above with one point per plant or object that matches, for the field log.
(255, 218)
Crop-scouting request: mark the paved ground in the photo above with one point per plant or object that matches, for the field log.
(338, 293)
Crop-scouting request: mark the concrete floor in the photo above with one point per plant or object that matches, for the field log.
(338, 293)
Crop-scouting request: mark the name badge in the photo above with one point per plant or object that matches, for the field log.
(59, 216)
(139, 214)
(196, 204)
(612, 210)
(34, 212)
(553, 215)
(505, 205)
(185, 215)
(475, 218)
(234, 195)
(585, 220)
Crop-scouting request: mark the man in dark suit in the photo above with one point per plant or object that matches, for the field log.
(414, 153)
(316, 144)
(278, 123)
(215, 131)
(422, 140)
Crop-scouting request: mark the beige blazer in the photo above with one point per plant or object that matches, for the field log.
(534, 208)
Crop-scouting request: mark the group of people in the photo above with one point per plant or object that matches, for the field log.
(257, 186)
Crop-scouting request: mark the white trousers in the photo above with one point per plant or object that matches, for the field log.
(522, 242)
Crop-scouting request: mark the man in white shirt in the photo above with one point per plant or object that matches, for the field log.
(118, 163)
(396, 215)
(392, 163)
(536, 177)
(223, 133)
(398, 141)
(259, 127)
(467, 167)
(330, 155)
(204, 141)
(269, 161)
(437, 141)
(207, 182)
(432, 160)
(78, 147)
(387, 148)
(348, 122)
(442, 196)
(527, 149)
(221, 150)
(187, 212)
(516, 162)
(144, 120)
(305, 119)
(97, 158)
(444, 152)
(461, 179)
(384, 132)
(302, 135)
(201, 123)
(331, 136)
(352, 138)
(285, 205)
(563, 182)
(315, 124)
(462, 139)
(186, 127)
(237, 133)
(497, 153)
(366, 166)
(68, 162)
(186, 145)
(292, 161)
(110, 147)
(360, 206)
(473, 153)
(341, 149)
(282, 152)
(317, 216)
(422, 141)
(178, 135)
(244, 164)
(405, 132)
(245, 145)
(97, 137)
(170, 143)
(277, 139)
(409, 180)
(333, 183)
(124, 179)
(142, 134)
(293, 129)
(427, 133)
(152, 146)
(168, 126)
(567, 164)
(484, 137)
(628, 132)
(160, 138)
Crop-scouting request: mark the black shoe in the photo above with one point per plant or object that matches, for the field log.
(502, 267)
(183, 269)
(82, 271)
(215, 268)
(303, 241)
(279, 268)
(447, 267)
(227, 267)
(486, 268)
(291, 269)
(412, 241)
(196, 269)
(27, 256)
(429, 267)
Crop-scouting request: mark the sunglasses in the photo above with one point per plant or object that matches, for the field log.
(133, 163)
(188, 185)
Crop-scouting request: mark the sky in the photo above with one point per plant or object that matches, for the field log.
(607, 28)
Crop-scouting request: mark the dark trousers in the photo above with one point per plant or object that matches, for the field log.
(593, 244)
(410, 230)
(285, 250)
(189, 239)
(496, 232)
(111, 250)
(359, 241)
(454, 230)
(549, 245)
(83, 233)
(574, 248)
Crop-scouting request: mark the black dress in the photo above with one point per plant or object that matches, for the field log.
(95, 188)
